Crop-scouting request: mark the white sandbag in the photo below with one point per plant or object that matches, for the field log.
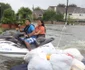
(61, 61)
(46, 49)
(38, 63)
(59, 51)
(29, 56)
(75, 53)
(77, 65)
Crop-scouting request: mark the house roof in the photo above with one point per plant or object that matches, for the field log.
(60, 9)
(71, 10)
(52, 6)
(38, 11)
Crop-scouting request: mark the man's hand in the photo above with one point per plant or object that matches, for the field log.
(26, 35)
(17, 29)
(20, 30)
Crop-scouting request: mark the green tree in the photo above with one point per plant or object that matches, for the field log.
(72, 5)
(61, 5)
(3, 7)
(59, 16)
(8, 16)
(24, 13)
(49, 15)
(37, 8)
(52, 16)
(70, 20)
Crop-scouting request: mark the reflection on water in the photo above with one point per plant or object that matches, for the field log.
(72, 36)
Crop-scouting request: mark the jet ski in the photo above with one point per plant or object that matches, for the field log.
(11, 46)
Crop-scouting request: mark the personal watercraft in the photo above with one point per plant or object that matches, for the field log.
(11, 46)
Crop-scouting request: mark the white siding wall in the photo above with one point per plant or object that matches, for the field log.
(52, 8)
(80, 16)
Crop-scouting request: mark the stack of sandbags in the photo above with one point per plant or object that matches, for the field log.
(55, 62)
(43, 61)
(45, 58)
(38, 51)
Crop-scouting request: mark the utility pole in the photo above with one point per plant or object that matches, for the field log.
(32, 13)
(66, 17)
(0, 13)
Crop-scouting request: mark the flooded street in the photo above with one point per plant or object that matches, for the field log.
(72, 36)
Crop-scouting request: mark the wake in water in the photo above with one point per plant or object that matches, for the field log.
(80, 45)
(76, 44)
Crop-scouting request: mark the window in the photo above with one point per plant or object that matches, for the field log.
(70, 14)
(40, 15)
(80, 15)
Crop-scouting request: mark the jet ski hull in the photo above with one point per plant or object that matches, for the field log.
(10, 49)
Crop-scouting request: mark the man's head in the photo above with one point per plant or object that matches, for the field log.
(27, 21)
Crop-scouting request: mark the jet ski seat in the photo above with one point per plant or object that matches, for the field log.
(41, 41)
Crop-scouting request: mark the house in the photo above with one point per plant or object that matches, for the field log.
(38, 13)
(52, 8)
(76, 13)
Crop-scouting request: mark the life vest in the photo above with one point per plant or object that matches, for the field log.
(27, 29)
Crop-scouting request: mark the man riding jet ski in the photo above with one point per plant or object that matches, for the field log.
(31, 33)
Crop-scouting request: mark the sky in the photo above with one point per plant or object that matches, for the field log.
(44, 4)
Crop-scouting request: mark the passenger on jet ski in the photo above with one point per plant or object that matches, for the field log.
(40, 29)
(39, 32)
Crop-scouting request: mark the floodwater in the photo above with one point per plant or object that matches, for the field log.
(70, 36)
